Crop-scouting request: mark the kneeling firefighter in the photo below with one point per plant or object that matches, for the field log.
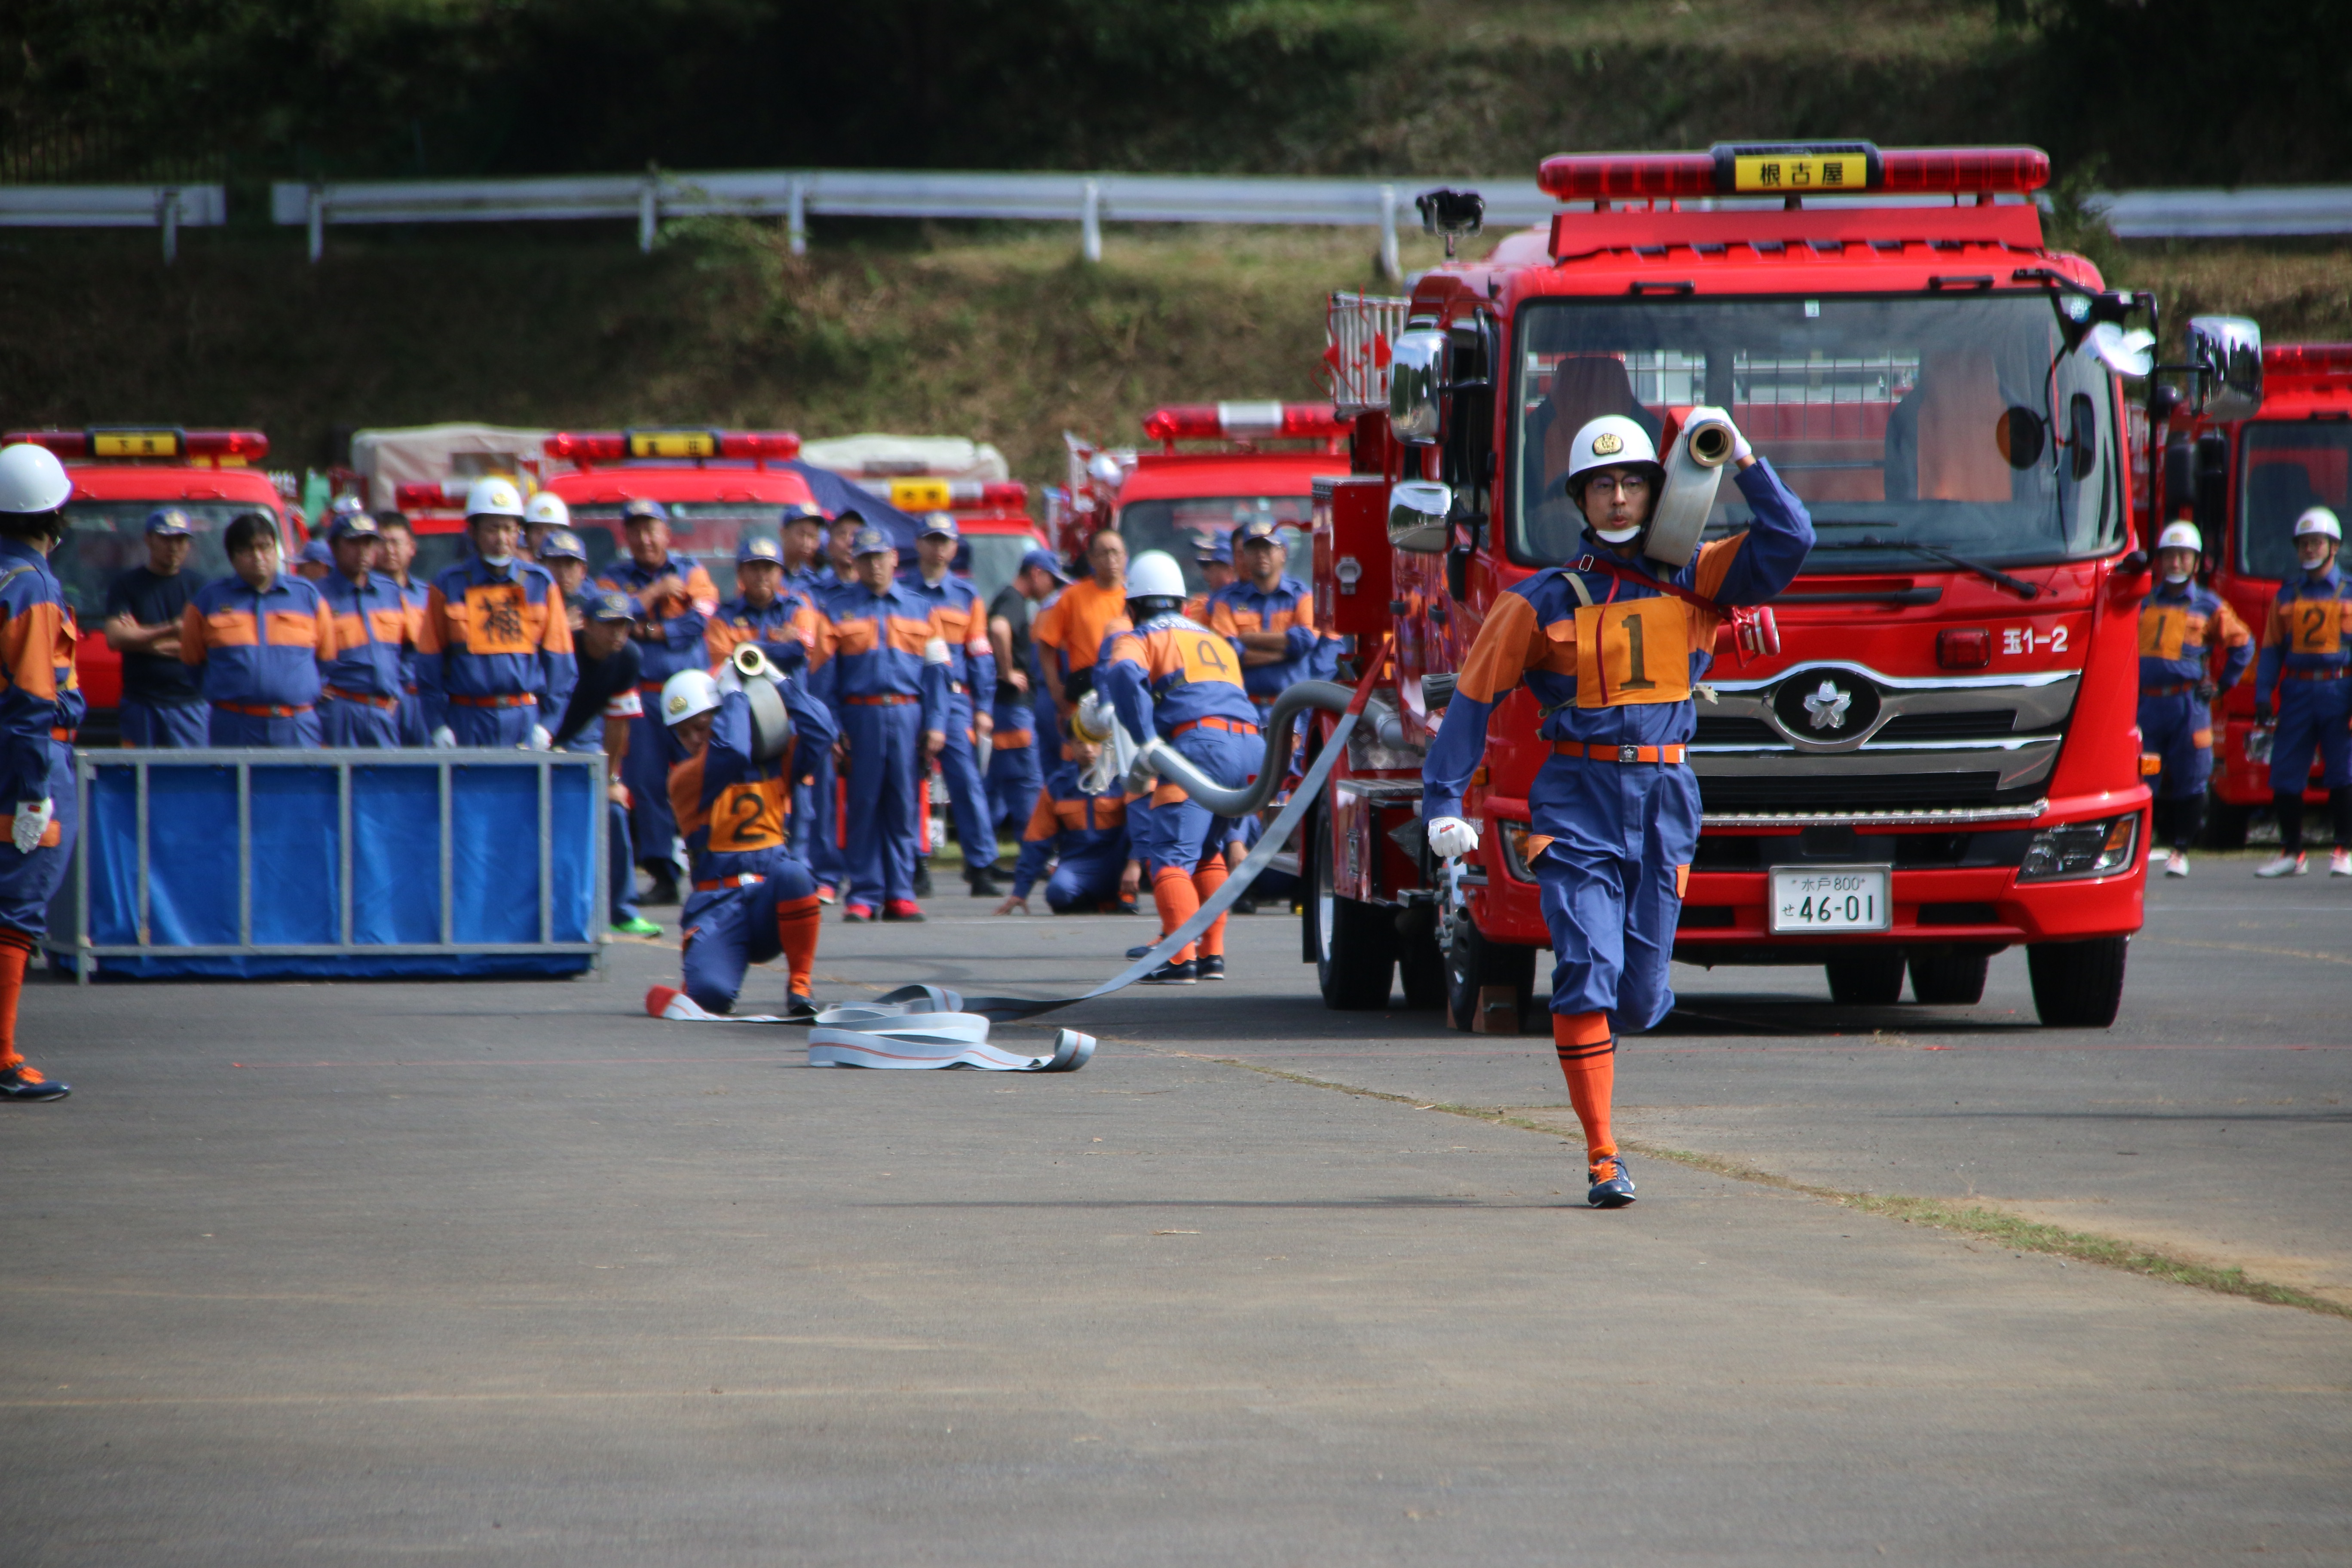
(751, 900)
(1177, 679)
(1610, 644)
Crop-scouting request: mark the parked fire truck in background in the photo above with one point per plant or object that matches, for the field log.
(1943, 734)
(1264, 463)
(2245, 472)
(120, 475)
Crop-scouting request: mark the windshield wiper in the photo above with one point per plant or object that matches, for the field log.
(2017, 585)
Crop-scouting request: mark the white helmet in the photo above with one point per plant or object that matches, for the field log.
(2180, 536)
(688, 693)
(1609, 442)
(32, 481)
(1154, 574)
(2319, 519)
(547, 507)
(494, 497)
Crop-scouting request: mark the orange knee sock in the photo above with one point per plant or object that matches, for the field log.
(16, 947)
(1588, 1059)
(1206, 882)
(796, 928)
(1178, 901)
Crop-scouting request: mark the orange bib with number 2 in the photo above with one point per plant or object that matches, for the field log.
(1631, 653)
(747, 816)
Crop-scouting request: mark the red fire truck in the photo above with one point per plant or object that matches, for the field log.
(2258, 459)
(119, 476)
(1936, 757)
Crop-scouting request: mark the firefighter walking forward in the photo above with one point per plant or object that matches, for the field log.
(2180, 621)
(1611, 654)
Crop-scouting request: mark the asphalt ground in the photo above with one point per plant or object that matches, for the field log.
(508, 1272)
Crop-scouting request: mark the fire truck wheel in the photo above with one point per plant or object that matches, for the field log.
(2225, 824)
(1867, 977)
(1949, 979)
(1421, 969)
(1475, 964)
(1354, 944)
(2077, 984)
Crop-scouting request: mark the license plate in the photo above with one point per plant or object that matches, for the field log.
(1833, 898)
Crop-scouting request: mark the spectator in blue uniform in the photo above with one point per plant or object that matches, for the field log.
(494, 654)
(596, 721)
(399, 556)
(962, 623)
(678, 597)
(256, 640)
(1269, 615)
(360, 705)
(161, 705)
(1015, 763)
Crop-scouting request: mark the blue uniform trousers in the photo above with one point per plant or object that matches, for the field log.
(1086, 880)
(27, 882)
(413, 732)
(813, 833)
(344, 723)
(227, 728)
(1611, 882)
(731, 928)
(620, 864)
(1181, 832)
(2168, 728)
(967, 791)
(1013, 786)
(179, 726)
(499, 727)
(883, 743)
(652, 827)
(2313, 715)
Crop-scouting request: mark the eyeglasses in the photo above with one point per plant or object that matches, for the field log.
(1628, 484)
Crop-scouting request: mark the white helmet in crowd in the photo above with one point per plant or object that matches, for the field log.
(548, 508)
(1612, 441)
(32, 481)
(494, 497)
(688, 693)
(2319, 520)
(2181, 536)
(1154, 574)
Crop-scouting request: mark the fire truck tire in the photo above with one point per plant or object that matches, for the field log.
(2225, 824)
(2077, 984)
(1474, 963)
(1868, 977)
(1421, 970)
(1354, 944)
(1949, 979)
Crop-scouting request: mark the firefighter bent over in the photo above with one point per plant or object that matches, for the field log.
(1084, 833)
(1610, 646)
(751, 900)
(2307, 659)
(1180, 680)
(494, 657)
(2180, 622)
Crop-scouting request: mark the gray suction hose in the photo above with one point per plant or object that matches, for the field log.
(1157, 756)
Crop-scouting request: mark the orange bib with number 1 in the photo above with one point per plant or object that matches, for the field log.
(1631, 653)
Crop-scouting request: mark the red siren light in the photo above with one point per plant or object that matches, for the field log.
(1244, 422)
(1794, 169)
(2283, 359)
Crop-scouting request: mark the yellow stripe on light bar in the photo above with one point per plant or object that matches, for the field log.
(134, 443)
(1779, 173)
(920, 495)
(673, 444)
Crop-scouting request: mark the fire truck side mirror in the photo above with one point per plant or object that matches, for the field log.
(1417, 386)
(2228, 351)
(1418, 510)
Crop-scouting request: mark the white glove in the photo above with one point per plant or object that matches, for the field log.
(1449, 837)
(936, 651)
(539, 739)
(730, 678)
(33, 818)
(1740, 450)
(445, 737)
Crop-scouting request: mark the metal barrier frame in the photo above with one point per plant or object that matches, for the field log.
(167, 207)
(343, 759)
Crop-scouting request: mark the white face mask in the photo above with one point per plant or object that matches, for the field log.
(1617, 535)
(2182, 577)
(499, 563)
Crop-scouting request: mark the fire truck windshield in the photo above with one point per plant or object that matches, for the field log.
(2290, 468)
(1902, 423)
(105, 539)
(1182, 526)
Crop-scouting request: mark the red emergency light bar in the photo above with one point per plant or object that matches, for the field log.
(924, 493)
(1794, 169)
(618, 445)
(430, 495)
(122, 443)
(2307, 360)
(1244, 422)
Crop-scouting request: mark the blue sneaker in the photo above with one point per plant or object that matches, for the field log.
(1611, 1187)
(26, 1083)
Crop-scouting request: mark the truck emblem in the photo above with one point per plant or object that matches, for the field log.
(1827, 706)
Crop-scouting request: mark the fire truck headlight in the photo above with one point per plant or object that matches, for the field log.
(2099, 849)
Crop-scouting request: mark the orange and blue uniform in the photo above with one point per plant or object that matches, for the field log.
(671, 638)
(879, 673)
(494, 653)
(257, 653)
(963, 621)
(1074, 626)
(2180, 624)
(41, 706)
(1183, 682)
(786, 628)
(367, 678)
(1287, 608)
(752, 899)
(2307, 659)
(1086, 837)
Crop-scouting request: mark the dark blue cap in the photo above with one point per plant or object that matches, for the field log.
(1216, 547)
(937, 525)
(354, 525)
(871, 542)
(1043, 561)
(643, 511)
(759, 549)
(612, 606)
(1258, 529)
(169, 520)
(801, 512)
(562, 544)
(315, 553)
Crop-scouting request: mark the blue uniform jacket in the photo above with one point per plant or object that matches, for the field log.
(487, 635)
(2178, 625)
(1168, 674)
(1620, 670)
(1241, 606)
(880, 645)
(39, 695)
(670, 636)
(783, 628)
(1069, 822)
(963, 624)
(412, 595)
(260, 648)
(372, 644)
(2309, 629)
(730, 805)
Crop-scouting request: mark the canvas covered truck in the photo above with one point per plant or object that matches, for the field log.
(1927, 752)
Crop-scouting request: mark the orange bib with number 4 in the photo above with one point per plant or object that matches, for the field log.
(1195, 653)
(747, 816)
(1633, 653)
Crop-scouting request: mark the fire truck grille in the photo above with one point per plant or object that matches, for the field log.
(1864, 792)
(1974, 725)
(1714, 732)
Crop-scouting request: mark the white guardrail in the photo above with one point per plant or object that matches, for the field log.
(167, 207)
